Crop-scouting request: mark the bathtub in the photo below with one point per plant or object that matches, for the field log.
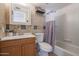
(66, 49)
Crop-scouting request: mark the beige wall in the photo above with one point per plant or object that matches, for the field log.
(2, 19)
(37, 20)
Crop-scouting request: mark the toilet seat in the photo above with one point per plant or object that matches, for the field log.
(45, 46)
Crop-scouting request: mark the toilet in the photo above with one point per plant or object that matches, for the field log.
(44, 47)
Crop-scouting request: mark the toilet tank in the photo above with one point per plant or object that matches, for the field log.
(39, 37)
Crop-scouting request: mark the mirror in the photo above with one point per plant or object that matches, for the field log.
(19, 16)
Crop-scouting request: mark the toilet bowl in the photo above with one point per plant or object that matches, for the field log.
(44, 47)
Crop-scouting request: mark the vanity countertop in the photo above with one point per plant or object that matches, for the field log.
(27, 35)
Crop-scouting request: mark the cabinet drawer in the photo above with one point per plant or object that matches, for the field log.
(28, 41)
(9, 43)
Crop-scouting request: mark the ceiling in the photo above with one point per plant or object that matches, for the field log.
(52, 6)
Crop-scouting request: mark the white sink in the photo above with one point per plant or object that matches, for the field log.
(26, 35)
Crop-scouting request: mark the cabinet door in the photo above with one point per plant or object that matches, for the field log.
(28, 50)
(10, 51)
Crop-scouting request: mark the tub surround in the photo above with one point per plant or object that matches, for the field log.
(66, 49)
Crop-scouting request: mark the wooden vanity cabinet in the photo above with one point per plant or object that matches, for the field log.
(18, 47)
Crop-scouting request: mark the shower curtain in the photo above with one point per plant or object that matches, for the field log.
(49, 36)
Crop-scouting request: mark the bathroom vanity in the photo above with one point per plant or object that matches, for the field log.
(18, 46)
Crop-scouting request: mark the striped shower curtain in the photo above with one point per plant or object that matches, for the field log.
(49, 31)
